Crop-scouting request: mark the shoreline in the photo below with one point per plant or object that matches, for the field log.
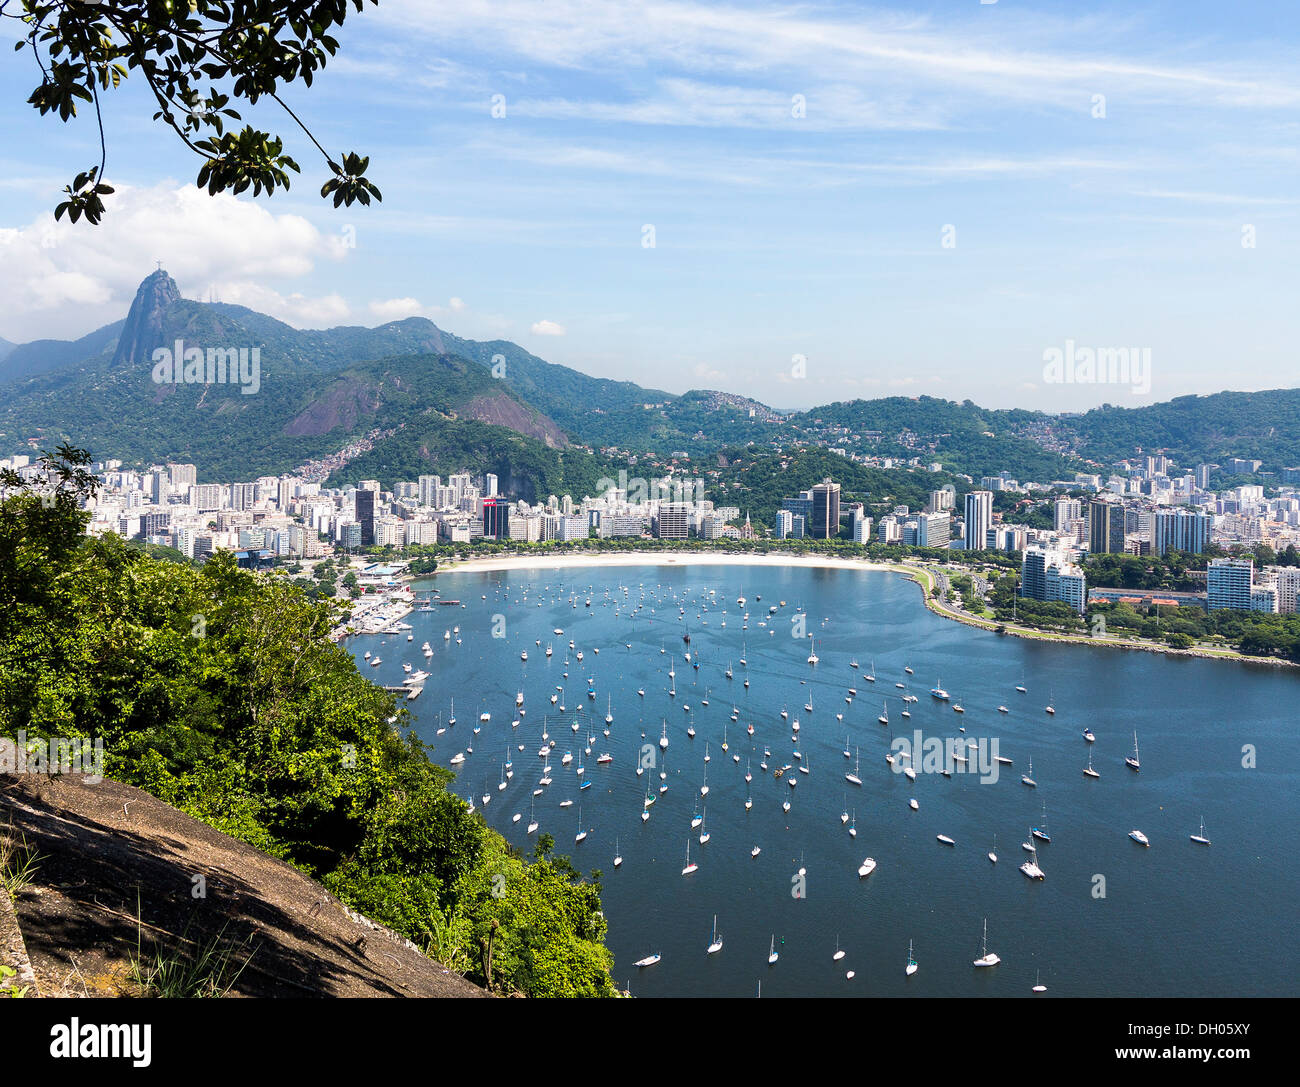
(920, 575)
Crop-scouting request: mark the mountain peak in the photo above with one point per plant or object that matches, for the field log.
(143, 329)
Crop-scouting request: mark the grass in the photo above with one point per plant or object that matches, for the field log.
(202, 970)
(18, 863)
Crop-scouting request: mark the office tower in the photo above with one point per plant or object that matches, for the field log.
(490, 484)
(1106, 523)
(365, 515)
(825, 522)
(496, 514)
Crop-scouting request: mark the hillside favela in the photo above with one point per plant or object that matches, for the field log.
(699, 501)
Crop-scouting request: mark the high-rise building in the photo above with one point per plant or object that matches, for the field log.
(784, 523)
(979, 519)
(1045, 575)
(673, 521)
(1228, 583)
(1064, 512)
(1180, 530)
(825, 521)
(496, 518)
(490, 484)
(941, 500)
(206, 497)
(243, 496)
(182, 476)
(365, 515)
(427, 490)
(1105, 527)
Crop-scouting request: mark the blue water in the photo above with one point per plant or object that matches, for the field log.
(1174, 919)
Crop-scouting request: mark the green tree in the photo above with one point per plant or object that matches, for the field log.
(196, 58)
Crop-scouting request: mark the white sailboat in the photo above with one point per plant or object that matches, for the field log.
(618, 857)
(1200, 839)
(993, 853)
(1132, 760)
(853, 778)
(690, 867)
(716, 944)
(1027, 778)
(1088, 771)
(986, 957)
(772, 956)
(911, 962)
(1038, 987)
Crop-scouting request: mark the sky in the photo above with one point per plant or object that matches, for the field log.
(802, 203)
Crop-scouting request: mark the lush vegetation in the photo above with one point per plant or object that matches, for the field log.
(218, 691)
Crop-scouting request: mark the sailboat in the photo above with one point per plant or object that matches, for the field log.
(1088, 770)
(609, 710)
(649, 960)
(812, 656)
(1041, 832)
(911, 962)
(704, 831)
(1030, 867)
(1027, 778)
(1021, 686)
(582, 834)
(853, 824)
(532, 817)
(772, 956)
(716, 944)
(884, 714)
(993, 853)
(690, 867)
(663, 740)
(1039, 987)
(1049, 707)
(838, 953)
(986, 958)
(853, 778)
(1132, 760)
(870, 677)
(618, 857)
(1201, 839)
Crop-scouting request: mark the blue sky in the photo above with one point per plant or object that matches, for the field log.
(776, 235)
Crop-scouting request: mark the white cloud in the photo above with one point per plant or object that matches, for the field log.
(62, 280)
(397, 309)
(547, 328)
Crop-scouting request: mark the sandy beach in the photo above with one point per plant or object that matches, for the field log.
(661, 558)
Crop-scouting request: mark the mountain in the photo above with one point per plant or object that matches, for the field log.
(5, 348)
(143, 330)
(403, 385)
(43, 356)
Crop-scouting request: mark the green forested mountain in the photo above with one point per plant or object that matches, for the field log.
(527, 468)
(963, 437)
(1196, 429)
(322, 389)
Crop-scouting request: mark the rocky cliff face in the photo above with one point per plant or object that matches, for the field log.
(143, 331)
